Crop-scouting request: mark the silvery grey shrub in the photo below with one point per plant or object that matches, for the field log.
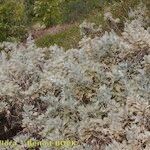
(97, 95)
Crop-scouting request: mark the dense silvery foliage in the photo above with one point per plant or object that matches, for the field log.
(97, 95)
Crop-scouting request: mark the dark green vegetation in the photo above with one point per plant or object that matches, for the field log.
(61, 11)
(12, 19)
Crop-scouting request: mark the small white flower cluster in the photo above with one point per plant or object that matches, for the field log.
(98, 95)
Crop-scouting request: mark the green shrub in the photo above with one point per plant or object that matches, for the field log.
(29, 11)
(11, 19)
(47, 12)
(61, 11)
